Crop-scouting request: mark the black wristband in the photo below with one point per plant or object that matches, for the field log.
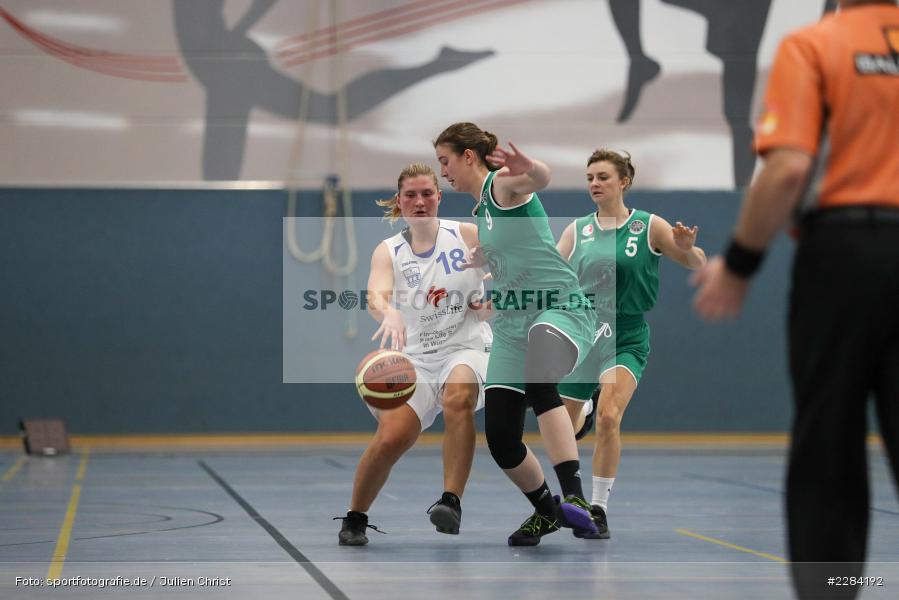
(741, 260)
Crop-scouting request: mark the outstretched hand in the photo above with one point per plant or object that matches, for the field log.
(684, 237)
(476, 259)
(721, 294)
(392, 330)
(511, 162)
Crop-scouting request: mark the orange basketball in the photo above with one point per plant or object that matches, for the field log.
(385, 379)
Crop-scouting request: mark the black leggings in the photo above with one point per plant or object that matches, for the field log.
(550, 356)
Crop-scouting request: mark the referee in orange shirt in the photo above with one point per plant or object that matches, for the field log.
(830, 132)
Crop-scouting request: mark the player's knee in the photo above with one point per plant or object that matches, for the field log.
(460, 400)
(394, 441)
(504, 426)
(507, 451)
(609, 421)
(504, 442)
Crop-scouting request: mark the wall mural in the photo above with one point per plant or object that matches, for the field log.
(129, 93)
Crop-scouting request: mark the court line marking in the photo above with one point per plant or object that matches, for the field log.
(11, 472)
(320, 578)
(698, 536)
(65, 532)
(208, 441)
(763, 488)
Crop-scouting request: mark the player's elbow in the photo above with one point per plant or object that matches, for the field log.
(544, 176)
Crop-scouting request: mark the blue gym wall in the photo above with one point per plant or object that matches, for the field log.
(138, 311)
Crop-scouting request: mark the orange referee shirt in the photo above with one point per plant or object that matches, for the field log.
(834, 92)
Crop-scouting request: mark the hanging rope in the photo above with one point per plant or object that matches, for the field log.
(348, 269)
(332, 186)
(343, 159)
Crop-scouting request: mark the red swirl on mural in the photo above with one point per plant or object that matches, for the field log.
(407, 18)
(328, 41)
(129, 66)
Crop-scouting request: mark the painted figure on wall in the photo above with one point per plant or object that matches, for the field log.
(734, 34)
(238, 76)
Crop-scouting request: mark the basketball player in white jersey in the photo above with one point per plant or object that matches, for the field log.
(429, 306)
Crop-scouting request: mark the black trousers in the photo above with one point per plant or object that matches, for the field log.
(844, 349)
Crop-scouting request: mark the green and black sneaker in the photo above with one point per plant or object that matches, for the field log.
(534, 528)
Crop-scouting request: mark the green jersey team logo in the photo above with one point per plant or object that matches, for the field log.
(600, 275)
(600, 278)
(497, 263)
(636, 227)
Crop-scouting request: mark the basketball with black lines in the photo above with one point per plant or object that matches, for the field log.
(385, 379)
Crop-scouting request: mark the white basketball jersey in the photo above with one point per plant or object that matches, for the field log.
(433, 293)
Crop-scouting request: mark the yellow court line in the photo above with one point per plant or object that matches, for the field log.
(82, 466)
(65, 532)
(731, 546)
(212, 441)
(247, 440)
(11, 472)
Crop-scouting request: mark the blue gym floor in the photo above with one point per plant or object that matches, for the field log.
(686, 523)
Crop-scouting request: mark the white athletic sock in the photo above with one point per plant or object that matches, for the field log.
(602, 487)
(587, 408)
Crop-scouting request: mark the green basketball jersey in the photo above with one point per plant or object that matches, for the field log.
(634, 267)
(529, 274)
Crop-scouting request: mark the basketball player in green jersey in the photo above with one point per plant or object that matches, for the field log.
(641, 239)
(543, 329)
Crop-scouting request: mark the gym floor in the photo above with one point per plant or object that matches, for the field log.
(687, 521)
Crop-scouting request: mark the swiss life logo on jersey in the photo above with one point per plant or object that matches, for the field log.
(435, 295)
(881, 64)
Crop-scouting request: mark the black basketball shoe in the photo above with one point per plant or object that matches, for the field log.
(602, 525)
(446, 513)
(352, 532)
